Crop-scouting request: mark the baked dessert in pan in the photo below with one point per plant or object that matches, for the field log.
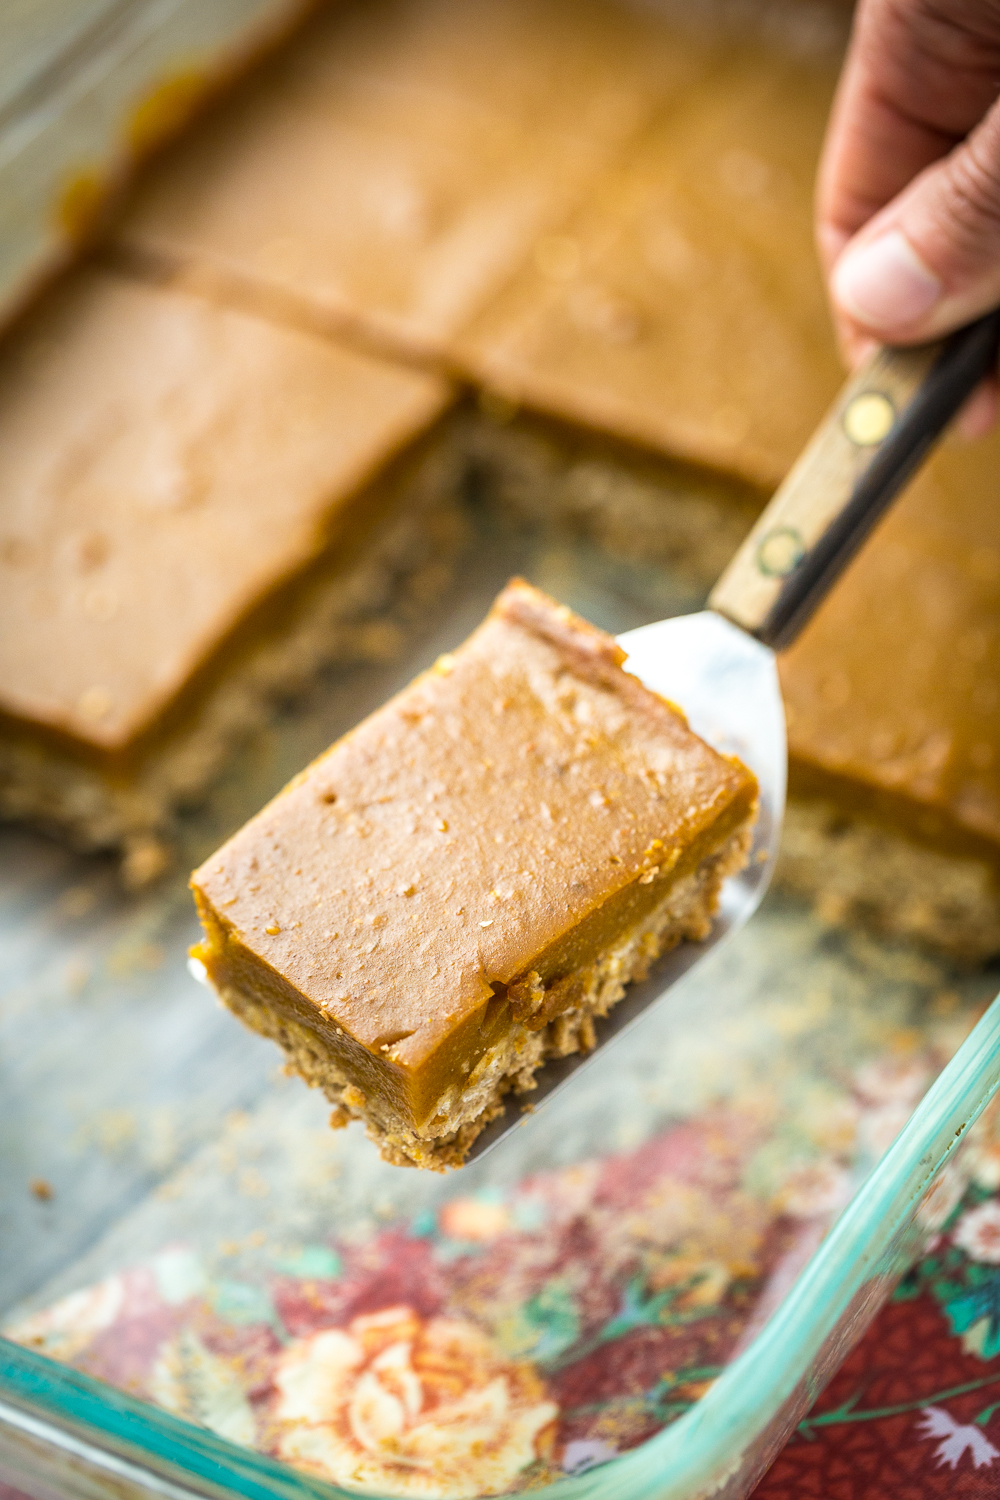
(197, 510)
(680, 307)
(397, 163)
(457, 889)
(599, 215)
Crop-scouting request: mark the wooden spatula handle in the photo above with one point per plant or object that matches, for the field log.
(870, 442)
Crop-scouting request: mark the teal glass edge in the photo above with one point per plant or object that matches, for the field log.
(718, 1448)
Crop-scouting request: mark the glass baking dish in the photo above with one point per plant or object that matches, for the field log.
(664, 1264)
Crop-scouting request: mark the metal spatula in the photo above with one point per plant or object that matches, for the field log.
(720, 666)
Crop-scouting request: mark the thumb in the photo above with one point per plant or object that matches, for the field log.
(930, 260)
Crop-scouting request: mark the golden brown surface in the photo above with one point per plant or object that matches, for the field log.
(164, 465)
(478, 839)
(894, 688)
(398, 162)
(682, 306)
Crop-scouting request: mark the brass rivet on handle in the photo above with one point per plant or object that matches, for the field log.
(868, 418)
(780, 552)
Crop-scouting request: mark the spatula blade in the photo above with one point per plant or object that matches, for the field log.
(727, 685)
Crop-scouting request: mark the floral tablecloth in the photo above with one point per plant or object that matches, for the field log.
(914, 1411)
(504, 1339)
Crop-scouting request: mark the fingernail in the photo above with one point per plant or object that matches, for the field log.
(885, 284)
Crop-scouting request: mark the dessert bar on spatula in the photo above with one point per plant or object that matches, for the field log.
(460, 890)
(453, 893)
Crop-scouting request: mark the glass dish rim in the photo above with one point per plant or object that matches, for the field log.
(67, 1410)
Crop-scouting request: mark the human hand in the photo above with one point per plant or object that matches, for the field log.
(908, 197)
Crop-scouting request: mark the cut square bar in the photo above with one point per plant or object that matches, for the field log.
(399, 161)
(459, 887)
(694, 322)
(197, 510)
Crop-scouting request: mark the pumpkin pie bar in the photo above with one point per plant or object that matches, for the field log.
(456, 890)
(680, 307)
(198, 509)
(400, 160)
